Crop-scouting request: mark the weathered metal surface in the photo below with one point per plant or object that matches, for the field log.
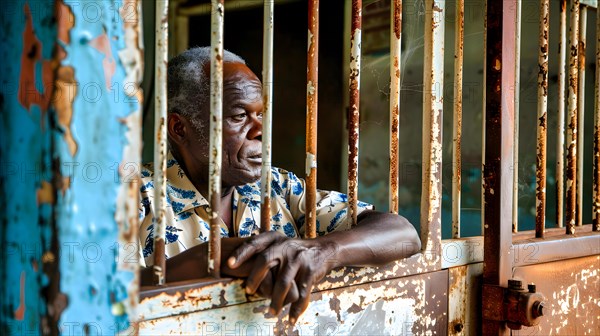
(160, 147)
(542, 119)
(498, 174)
(462, 251)
(464, 299)
(103, 58)
(267, 119)
(596, 169)
(27, 195)
(354, 110)
(571, 174)
(70, 132)
(515, 210)
(395, 80)
(516, 306)
(132, 60)
(312, 90)
(433, 105)
(406, 306)
(459, 38)
(232, 292)
(216, 136)
(560, 123)
(571, 289)
(561, 247)
(581, 112)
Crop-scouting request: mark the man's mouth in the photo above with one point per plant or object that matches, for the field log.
(255, 158)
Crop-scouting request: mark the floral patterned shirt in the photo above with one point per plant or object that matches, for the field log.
(187, 211)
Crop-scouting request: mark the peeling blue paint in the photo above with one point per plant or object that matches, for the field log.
(25, 153)
(86, 213)
(73, 205)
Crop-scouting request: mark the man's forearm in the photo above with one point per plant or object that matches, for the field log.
(193, 262)
(378, 238)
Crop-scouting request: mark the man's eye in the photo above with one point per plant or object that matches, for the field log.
(239, 117)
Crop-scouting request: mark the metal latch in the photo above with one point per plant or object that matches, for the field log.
(514, 305)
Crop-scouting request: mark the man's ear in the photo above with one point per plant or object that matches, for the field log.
(177, 128)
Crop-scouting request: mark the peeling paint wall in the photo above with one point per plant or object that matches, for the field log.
(27, 38)
(70, 156)
(414, 305)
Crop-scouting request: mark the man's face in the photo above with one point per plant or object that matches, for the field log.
(242, 126)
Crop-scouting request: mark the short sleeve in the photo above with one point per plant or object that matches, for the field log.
(332, 206)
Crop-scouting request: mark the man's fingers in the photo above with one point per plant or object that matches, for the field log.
(285, 280)
(262, 266)
(305, 285)
(254, 245)
(292, 295)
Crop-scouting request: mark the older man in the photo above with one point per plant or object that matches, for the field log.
(281, 264)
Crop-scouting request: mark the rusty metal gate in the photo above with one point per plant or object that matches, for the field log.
(71, 147)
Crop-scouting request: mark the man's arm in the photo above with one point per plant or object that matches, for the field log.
(378, 238)
(193, 262)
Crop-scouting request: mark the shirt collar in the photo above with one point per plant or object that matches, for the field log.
(181, 193)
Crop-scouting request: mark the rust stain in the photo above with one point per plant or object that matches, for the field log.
(102, 44)
(32, 54)
(66, 91)
(397, 18)
(20, 312)
(45, 194)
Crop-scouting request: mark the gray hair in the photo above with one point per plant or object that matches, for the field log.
(189, 84)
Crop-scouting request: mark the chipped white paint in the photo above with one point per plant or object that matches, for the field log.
(216, 134)
(311, 162)
(160, 131)
(396, 307)
(267, 119)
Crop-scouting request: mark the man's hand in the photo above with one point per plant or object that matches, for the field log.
(294, 261)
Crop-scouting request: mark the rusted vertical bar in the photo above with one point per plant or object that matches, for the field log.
(433, 105)
(571, 195)
(499, 146)
(560, 138)
(581, 112)
(216, 135)
(395, 76)
(265, 180)
(596, 177)
(457, 125)
(160, 131)
(354, 109)
(542, 110)
(312, 88)
(515, 212)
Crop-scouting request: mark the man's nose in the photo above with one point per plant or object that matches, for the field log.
(255, 132)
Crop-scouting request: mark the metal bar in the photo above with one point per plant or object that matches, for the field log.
(160, 131)
(230, 5)
(596, 176)
(581, 112)
(395, 77)
(266, 177)
(216, 136)
(571, 198)
(433, 88)
(312, 88)
(560, 138)
(354, 110)
(457, 122)
(542, 118)
(515, 210)
(499, 145)
(537, 251)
